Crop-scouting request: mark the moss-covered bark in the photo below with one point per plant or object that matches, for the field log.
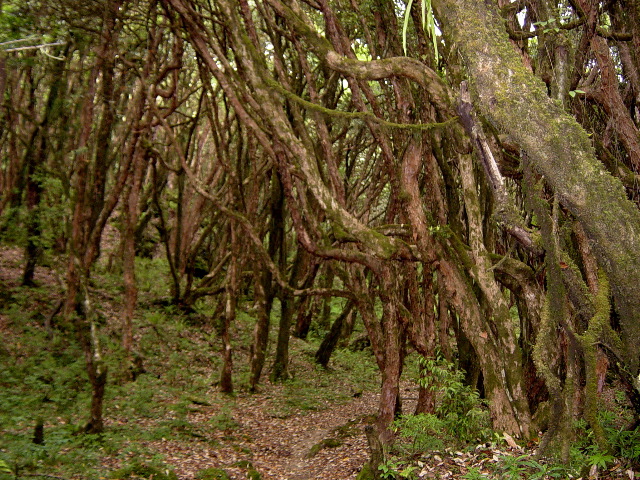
(504, 349)
(516, 103)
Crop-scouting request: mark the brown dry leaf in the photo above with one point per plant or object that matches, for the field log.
(511, 442)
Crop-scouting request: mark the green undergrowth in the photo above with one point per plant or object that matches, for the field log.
(460, 417)
(459, 429)
(45, 392)
(149, 470)
(313, 388)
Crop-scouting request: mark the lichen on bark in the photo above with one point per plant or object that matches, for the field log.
(516, 103)
(599, 331)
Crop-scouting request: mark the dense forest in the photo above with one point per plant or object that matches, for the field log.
(448, 187)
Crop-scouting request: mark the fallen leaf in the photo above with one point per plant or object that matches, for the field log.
(510, 441)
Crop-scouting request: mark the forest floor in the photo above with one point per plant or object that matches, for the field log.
(174, 419)
(326, 444)
(276, 432)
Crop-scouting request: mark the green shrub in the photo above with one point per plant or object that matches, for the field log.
(474, 473)
(524, 466)
(627, 444)
(420, 433)
(464, 414)
(624, 444)
(392, 469)
(460, 415)
(253, 475)
(224, 422)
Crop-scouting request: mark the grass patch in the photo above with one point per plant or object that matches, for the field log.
(212, 474)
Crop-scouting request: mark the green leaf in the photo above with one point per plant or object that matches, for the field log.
(405, 25)
(432, 29)
(428, 24)
(4, 468)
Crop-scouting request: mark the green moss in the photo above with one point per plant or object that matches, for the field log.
(349, 429)
(541, 349)
(599, 330)
(212, 474)
(366, 473)
(253, 475)
(325, 443)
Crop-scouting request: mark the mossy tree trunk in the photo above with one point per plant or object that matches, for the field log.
(132, 209)
(516, 103)
(288, 304)
(231, 302)
(93, 206)
(498, 325)
(330, 341)
(36, 155)
(265, 290)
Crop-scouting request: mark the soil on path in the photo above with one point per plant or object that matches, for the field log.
(282, 447)
(278, 448)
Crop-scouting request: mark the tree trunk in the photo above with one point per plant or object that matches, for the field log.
(393, 358)
(132, 215)
(231, 300)
(34, 191)
(517, 103)
(36, 155)
(330, 341)
(264, 301)
(503, 376)
(309, 306)
(90, 214)
(426, 401)
(280, 369)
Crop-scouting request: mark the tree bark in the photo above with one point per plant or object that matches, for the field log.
(231, 300)
(90, 215)
(515, 102)
(36, 155)
(330, 341)
(265, 290)
(264, 301)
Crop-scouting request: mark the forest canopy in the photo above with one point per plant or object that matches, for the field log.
(463, 175)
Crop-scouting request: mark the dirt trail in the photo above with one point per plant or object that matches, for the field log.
(281, 447)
